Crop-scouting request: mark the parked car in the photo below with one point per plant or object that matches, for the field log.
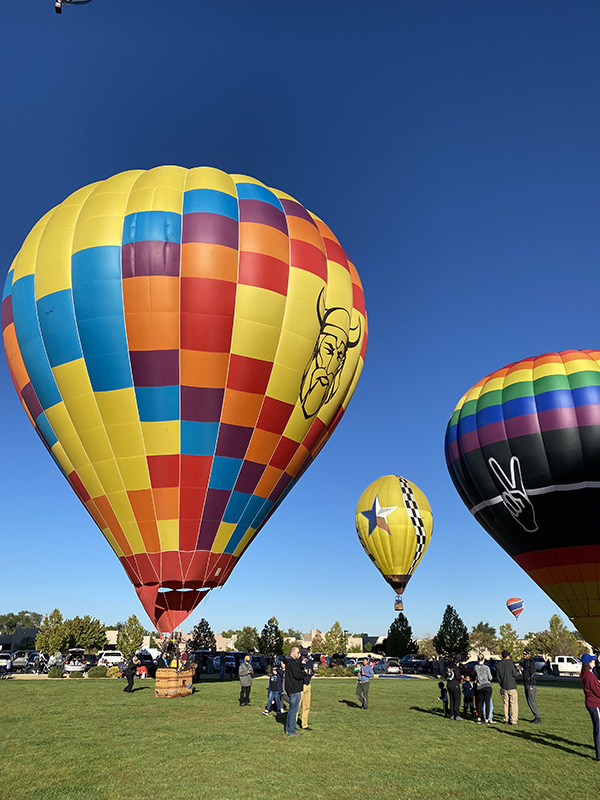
(91, 660)
(337, 660)
(5, 661)
(394, 667)
(148, 662)
(110, 658)
(19, 660)
(565, 665)
(542, 665)
(259, 664)
(380, 667)
(31, 662)
(75, 660)
(413, 663)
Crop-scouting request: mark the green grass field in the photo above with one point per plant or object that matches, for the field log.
(86, 739)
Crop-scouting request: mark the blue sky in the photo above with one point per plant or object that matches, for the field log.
(453, 149)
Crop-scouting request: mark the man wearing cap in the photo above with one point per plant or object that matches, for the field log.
(308, 669)
(528, 669)
(507, 675)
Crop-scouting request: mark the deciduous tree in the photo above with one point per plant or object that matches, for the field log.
(483, 637)
(27, 619)
(86, 632)
(557, 640)
(247, 639)
(509, 641)
(131, 637)
(452, 639)
(53, 636)
(335, 640)
(318, 644)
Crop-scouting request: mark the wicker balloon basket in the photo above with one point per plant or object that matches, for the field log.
(170, 683)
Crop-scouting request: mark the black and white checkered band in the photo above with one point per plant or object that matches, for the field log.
(412, 509)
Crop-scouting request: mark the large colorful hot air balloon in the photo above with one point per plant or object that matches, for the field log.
(185, 342)
(394, 524)
(523, 450)
(515, 605)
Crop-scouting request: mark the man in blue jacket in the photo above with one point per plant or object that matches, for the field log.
(365, 673)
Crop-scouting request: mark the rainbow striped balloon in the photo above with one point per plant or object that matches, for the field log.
(523, 450)
(185, 342)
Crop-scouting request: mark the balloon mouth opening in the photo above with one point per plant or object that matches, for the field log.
(397, 582)
(169, 606)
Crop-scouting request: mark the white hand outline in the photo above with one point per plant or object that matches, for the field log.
(514, 495)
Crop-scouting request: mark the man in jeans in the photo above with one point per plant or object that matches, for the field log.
(294, 684)
(365, 673)
(507, 675)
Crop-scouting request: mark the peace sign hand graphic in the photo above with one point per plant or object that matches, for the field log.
(514, 495)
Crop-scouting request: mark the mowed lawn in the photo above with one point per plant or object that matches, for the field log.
(86, 739)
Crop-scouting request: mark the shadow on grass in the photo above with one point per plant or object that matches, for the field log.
(139, 689)
(436, 712)
(549, 740)
(350, 703)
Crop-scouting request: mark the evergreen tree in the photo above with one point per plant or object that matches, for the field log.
(53, 636)
(202, 637)
(509, 641)
(452, 639)
(399, 638)
(483, 637)
(247, 639)
(335, 640)
(131, 637)
(270, 641)
(318, 644)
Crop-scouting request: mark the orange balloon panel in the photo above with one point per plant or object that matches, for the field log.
(185, 342)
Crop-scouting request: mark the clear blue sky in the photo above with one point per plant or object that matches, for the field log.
(453, 149)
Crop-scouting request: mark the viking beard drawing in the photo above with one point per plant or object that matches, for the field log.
(323, 373)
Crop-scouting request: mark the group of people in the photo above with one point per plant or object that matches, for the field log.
(477, 693)
(289, 681)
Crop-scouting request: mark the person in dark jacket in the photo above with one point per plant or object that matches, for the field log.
(130, 673)
(528, 670)
(453, 681)
(308, 668)
(274, 690)
(507, 675)
(591, 691)
(294, 685)
(245, 672)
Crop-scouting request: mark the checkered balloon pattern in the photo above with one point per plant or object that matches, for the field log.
(184, 342)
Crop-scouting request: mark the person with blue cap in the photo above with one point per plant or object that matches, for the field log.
(591, 691)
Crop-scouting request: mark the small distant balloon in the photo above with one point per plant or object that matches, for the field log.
(515, 605)
(60, 3)
(394, 524)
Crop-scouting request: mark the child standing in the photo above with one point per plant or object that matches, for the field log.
(274, 690)
(468, 696)
(443, 697)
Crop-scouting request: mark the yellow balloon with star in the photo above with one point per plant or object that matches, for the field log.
(394, 525)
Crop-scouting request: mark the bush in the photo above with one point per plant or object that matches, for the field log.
(113, 672)
(338, 672)
(75, 674)
(97, 672)
(55, 672)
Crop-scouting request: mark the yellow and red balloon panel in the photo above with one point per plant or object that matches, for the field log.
(185, 342)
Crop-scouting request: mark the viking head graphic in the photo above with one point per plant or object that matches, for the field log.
(322, 375)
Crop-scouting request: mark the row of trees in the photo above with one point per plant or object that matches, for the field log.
(272, 640)
(59, 635)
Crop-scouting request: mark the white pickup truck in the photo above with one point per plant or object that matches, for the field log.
(567, 665)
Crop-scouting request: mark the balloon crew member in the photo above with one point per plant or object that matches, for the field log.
(294, 684)
(591, 691)
(507, 675)
(365, 673)
(245, 672)
(468, 693)
(444, 698)
(308, 668)
(453, 681)
(274, 691)
(529, 670)
(130, 672)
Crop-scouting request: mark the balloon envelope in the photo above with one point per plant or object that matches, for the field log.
(394, 525)
(515, 605)
(184, 342)
(523, 450)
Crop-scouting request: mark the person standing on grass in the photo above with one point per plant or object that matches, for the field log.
(130, 672)
(365, 673)
(294, 684)
(591, 692)
(507, 675)
(453, 681)
(307, 666)
(274, 691)
(245, 673)
(483, 676)
(468, 697)
(529, 684)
